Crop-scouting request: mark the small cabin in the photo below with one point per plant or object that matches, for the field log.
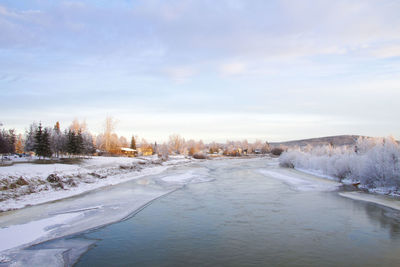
(129, 152)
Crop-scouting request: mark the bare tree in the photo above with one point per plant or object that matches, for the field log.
(163, 152)
(77, 126)
(109, 127)
(176, 143)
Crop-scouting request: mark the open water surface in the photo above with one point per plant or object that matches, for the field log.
(246, 218)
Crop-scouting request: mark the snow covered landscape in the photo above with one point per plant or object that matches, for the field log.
(372, 164)
(199, 133)
(98, 202)
(25, 184)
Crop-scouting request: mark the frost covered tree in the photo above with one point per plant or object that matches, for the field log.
(122, 141)
(163, 152)
(109, 127)
(372, 162)
(176, 143)
(57, 140)
(88, 144)
(30, 137)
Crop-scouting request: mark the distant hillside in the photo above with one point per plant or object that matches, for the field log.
(338, 140)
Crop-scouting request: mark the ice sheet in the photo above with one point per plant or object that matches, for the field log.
(389, 202)
(301, 182)
(17, 235)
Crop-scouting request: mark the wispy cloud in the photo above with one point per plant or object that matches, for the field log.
(232, 56)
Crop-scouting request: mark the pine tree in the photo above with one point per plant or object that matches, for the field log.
(133, 143)
(79, 143)
(42, 142)
(38, 146)
(46, 143)
(12, 139)
(71, 143)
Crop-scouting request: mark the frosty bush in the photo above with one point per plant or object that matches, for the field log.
(373, 162)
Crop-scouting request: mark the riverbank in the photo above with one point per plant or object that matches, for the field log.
(381, 198)
(26, 184)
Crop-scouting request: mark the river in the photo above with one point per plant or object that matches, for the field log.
(244, 212)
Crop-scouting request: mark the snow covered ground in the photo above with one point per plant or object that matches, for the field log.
(29, 184)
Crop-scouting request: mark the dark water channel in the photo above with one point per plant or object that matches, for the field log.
(244, 218)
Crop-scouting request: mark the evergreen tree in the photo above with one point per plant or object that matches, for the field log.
(11, 139)
(133, 143)
(38, 146)
(46, 143)
(79, 143)
(42, 142)
(88, 146)
(71, 143)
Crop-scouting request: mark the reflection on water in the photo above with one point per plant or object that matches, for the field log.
(388, 219)
(244, 218)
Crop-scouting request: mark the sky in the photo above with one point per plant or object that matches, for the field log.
(212, 70)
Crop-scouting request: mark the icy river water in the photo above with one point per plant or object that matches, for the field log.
(230, 213)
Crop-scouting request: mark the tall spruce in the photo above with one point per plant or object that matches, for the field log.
(133, 143)
(79, 149)
(42, 142)
(46, 143)
(38, 145)
(71, 143)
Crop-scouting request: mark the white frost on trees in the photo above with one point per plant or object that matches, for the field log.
(373, 162)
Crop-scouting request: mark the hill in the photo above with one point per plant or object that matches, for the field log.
(339, 140)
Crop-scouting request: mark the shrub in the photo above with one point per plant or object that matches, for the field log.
(277, 151)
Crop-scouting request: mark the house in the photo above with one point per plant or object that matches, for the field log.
(145, 151)
(129, 152)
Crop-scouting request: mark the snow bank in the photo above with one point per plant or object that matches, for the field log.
(374, 163)
(30, 184)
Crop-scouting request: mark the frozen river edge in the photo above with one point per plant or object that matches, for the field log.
(81, 210)
(51, 221)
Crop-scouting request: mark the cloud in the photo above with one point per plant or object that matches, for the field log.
(180, 74)
(388, 51)
(235, 68)
(241, 56)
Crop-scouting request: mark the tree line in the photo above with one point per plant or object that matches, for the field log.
(77, 140)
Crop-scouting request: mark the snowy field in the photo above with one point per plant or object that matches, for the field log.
(25, 184)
